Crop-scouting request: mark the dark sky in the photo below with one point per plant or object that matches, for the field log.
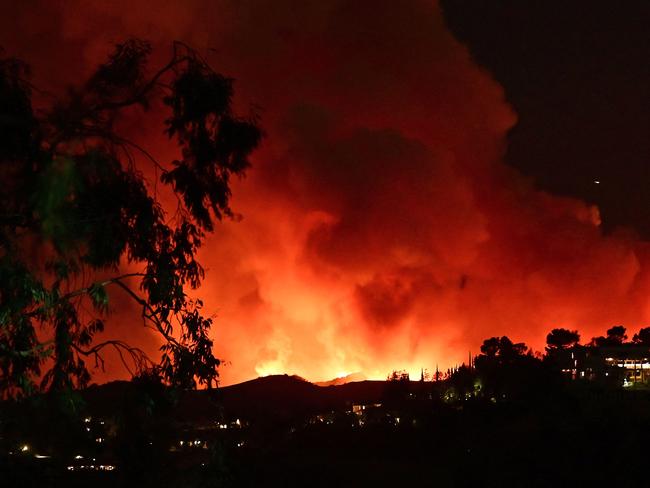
(578, 75)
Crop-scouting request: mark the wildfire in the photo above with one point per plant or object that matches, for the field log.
(381, 228)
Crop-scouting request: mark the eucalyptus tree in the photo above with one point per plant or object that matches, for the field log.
(81, 214)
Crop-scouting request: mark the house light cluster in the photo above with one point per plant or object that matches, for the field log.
(92, 467)
(195, 443)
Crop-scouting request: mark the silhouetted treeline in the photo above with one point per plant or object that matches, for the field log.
(510, 417)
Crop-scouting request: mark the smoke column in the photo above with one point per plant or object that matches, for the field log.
(381, 228)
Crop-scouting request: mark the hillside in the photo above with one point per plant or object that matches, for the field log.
(276, 398)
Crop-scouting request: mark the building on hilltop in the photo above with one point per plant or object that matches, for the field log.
(622, 364)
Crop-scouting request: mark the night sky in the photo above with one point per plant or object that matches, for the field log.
(577, 73)
(426, 180)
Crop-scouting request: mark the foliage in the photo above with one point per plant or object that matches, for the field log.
(643, 337)
(502, 349)
(506, 370)
(615, 337)
(397, 386)
(562, 338)
(79, 204)
(399, 376)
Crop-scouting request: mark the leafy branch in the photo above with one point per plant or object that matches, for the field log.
(74, 187)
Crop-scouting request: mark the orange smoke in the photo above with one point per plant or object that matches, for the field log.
(381, 229)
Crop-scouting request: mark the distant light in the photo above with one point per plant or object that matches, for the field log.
(24, 448)
(41, 456)
(92, 467)
(597, 182)
(78, 456)
(87, 419)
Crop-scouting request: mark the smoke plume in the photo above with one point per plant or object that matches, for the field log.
(381, 228)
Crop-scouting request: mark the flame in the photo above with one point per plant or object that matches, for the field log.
(382, 230)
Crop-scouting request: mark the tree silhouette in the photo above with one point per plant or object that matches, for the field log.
(642, 337)
(617, 334)
(78, 216)
(397, 386)
(506, 369)
(615, 337)
(562, 349)
(562, 339)
(502, 348)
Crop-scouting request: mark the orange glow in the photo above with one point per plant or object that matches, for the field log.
(381, 229)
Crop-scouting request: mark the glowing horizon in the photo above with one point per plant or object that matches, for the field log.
(382, 229)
